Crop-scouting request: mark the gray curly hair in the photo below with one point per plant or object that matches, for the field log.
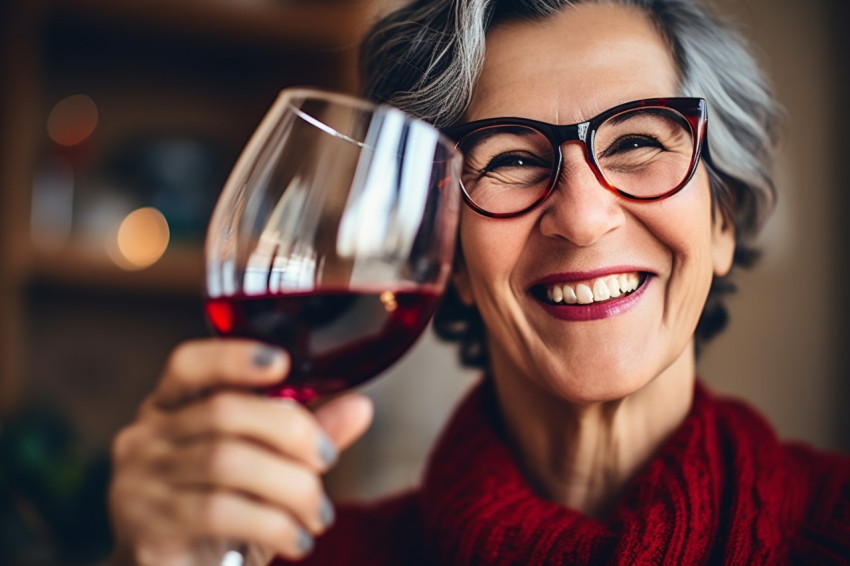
(426, 56)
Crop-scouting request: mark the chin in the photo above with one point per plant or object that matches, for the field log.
(611, 379)
(569, 375)
(603, 390)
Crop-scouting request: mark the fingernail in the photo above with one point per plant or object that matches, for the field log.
(304, 542)
(326, 511)
(327, 450)
(265, 355)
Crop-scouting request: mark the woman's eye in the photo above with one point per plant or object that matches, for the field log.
(512, 160)
(631, 143)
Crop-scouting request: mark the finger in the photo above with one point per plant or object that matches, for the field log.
(164, 520)
(126, 442)
(284, 427)
(346, 418)
(256, 473)
(191, 553)
(227, 515)
(197, 366)
(138, 444)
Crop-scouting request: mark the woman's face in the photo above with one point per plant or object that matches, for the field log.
(565, 70)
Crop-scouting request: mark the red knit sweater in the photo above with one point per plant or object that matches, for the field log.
(721, 490)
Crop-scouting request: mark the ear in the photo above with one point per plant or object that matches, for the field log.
(722, 243)
(462, 284)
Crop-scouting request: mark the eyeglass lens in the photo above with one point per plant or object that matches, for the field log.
(644, 152)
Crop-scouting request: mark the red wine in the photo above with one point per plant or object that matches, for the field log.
(336, 339)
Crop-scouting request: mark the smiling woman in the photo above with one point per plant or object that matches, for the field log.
(618, 163)
(582, 234)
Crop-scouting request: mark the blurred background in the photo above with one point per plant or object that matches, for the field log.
(119, 122)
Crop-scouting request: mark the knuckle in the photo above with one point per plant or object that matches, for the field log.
(281, 530)
(229, 357)
(301, 430)
(213, 513)
(222, 459)
(307, 490)
(221, 410)
(181, 357)
(276, 525)
(152, 553)
(127, 441)
(164, 462)
(230, 363)
(121, 444)
(120, 491)
(142, 507)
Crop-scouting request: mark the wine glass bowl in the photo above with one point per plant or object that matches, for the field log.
(333, 238)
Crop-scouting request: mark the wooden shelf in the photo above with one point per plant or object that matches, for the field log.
(178, 272)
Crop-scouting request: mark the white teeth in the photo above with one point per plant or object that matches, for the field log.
(628, 282)
(557, 294)
(584, 294)
(599, 290)
(613, 286)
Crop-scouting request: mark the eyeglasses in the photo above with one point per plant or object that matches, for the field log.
(643, 150)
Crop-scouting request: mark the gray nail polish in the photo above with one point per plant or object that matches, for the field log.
(304, 541)
(327, 450)
(264, 356)
(326, 511)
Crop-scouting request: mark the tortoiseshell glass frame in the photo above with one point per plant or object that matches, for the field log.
(694, 110)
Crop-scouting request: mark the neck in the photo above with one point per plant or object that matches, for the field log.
(583, 455)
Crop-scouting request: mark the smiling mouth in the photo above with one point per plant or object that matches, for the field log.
(592, 291)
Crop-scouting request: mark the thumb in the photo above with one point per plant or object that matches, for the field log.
(346, 418)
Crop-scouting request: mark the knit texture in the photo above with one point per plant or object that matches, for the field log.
(721, 490)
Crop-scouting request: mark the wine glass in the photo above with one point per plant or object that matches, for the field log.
(333, 238)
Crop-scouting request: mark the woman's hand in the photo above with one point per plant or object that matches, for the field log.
(207, 458)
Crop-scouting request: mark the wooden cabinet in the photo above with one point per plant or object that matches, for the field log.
(77, 329)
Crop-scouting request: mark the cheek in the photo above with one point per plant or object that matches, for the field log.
(684, 222)
(687, 237)
(491, 248)
(684, 226)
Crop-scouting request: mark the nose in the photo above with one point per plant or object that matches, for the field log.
(580, 209)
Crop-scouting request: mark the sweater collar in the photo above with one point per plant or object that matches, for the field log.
(708, 479)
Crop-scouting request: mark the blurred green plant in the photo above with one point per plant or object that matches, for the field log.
(52, 492)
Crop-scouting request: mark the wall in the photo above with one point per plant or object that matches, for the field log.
(783, 349)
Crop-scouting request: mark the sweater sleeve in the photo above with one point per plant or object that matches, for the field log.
(383, 533)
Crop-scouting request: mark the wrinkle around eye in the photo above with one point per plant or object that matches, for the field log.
(508, 181)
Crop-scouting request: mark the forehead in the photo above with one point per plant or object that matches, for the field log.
(569, 67)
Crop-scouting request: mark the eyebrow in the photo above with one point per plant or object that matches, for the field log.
(629, 114)
(489, 131)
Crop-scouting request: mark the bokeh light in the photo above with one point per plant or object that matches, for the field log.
(72, 120)
(142, 239)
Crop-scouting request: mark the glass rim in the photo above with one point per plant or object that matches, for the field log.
(288, 95)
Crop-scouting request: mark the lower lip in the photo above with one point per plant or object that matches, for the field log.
(596, 311)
